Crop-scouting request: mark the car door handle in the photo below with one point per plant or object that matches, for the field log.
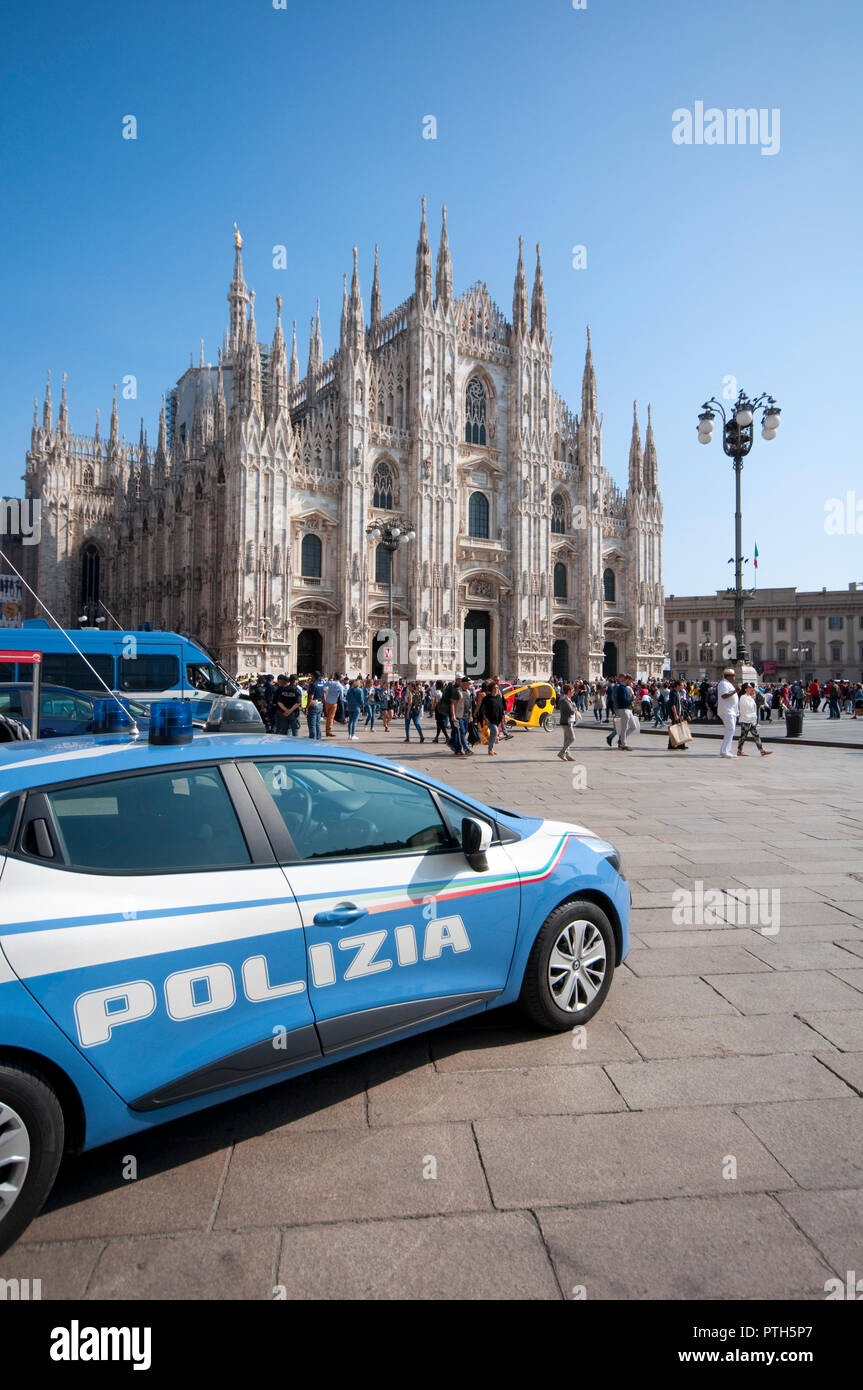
(340, 916)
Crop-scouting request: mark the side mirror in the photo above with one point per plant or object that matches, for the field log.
(475, 840)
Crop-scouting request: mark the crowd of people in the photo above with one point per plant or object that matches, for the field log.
(468, 715)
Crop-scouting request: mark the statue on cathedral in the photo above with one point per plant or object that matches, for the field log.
(238, 240)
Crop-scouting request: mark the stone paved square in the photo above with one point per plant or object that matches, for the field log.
(607, 1165)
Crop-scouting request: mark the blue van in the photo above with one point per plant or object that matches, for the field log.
(147, 665)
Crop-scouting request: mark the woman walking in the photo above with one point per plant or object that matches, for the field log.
(677, 713)
(566, 710)
(747, 722)
(413, 703)
(493, 710)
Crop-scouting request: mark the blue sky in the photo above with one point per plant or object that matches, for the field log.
(305, 125)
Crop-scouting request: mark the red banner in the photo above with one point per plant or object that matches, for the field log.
(34, 658)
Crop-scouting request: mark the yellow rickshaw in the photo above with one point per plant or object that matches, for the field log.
(532, 706)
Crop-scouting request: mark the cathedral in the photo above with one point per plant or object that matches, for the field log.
(263, 520)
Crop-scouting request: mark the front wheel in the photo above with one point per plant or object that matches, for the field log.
(31, 1146)
(546, 721)
(569, 970)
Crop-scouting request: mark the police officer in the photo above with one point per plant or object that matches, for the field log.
(289, 701)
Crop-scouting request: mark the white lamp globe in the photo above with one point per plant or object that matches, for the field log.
(743, 416)
(768, 434)
(771, 420)
(411, 535)
(376, 533)
(395, 532)
(703, 438)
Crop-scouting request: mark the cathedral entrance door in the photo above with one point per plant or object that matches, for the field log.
(560, 660)
(310, 651)
(377, 642)
(609, 660)
(477, 644)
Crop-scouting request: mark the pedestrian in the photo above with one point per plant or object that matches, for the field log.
(289, 701)
(493, 711)
(459, 704)
(332, 695)
(355, 702)
(676, 713)
(748, 722)
(622, 704)
(567, 714)
(413, 710)
(314, 706)
(727, 705)
(598, 701)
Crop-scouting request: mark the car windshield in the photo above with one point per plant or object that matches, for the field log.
(204, 675)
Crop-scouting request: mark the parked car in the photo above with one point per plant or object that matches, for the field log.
(63, 711)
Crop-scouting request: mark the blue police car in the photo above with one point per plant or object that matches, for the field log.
(183, 922)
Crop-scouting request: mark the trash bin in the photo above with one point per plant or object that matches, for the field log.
(793, 723)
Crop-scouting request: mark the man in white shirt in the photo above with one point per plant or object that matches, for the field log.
(727, 705)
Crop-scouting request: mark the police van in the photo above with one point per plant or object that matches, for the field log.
(147, 664)
(184, 920)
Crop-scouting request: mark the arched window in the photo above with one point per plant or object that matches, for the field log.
(310, 558)
(560, 580)
(382, 483)
(558, 515)
(474, 412)
(90, 567)
(608, 586)
(477, 515)
(87, 478)
(383, 565)
(390, 407)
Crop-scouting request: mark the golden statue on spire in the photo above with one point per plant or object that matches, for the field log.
(238, 240)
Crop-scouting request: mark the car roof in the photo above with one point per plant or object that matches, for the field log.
(50, 761)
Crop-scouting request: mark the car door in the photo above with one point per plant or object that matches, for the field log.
(400, 929)
(147, 916)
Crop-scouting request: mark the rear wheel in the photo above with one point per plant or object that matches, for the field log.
(546, 721)
(569, 969)
(31, 1146)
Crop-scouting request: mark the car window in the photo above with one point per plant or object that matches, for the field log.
(10, 702)
(7, 820)
(151, 671)
(66, 707)
(455, 811)
(61, 668)
(163, 822)
(337, 809)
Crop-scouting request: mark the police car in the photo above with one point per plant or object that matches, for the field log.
(185, 922)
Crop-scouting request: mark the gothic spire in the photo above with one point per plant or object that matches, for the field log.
(162, 444)
(63, 421)
(376, 293)
(650, 461)
(312, 356)
(443, 279)
(221, 415)
(538, 314)
(344, 325)
(636, 458)
(319, 342)
(519, 297)
(47, 410)
(254, 355)
(278, 372)
(114, 437)
(423, 278)
(356, 318)
(588, 383)
(237, 296)
(295, 361)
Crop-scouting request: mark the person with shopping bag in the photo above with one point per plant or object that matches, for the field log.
(679, 733)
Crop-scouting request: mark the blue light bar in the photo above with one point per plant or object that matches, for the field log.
(111, 718)
(170, 722)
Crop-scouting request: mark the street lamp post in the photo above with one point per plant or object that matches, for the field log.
(391, 534)
(737, 436)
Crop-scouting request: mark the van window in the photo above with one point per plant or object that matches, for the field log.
(150, 671)
(10, 702)
(7, 672)
(67, 668)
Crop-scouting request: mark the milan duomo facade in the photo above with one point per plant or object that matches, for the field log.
(247, 525)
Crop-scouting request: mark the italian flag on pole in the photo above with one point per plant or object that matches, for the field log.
(756, 556)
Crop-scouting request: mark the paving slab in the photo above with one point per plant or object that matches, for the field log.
(848, 1065)
(819, 1142)
(213, 1266)
(630, 998)
(496, 1255)
(833, 1221)
(692, 961)
(339, 1175)
(468, 1095)
(681, 938)
(731, 1247)
(779, 954)
(63, 1271)
(750, 1035)
(176, 1189)
(463, 1048)
(568, 1161)
(852, 977)
(723, 1081)
(785, 992)
(842, 1027)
